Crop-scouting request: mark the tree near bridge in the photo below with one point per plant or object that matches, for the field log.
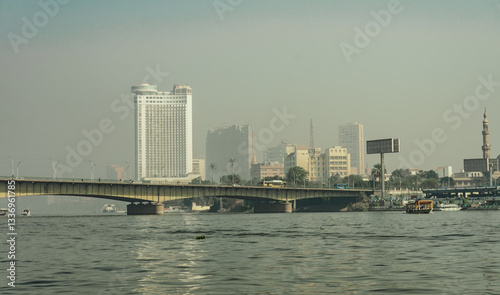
(447, 182)
(296, 175)
(231, 179)
(429, 183)
(199, 181)
(355, 181)
(377, 171)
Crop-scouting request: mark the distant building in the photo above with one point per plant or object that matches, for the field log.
(199, 168)
(230, 142)
(464, 178)
(413, 171)
(444, 171)
(278, 153)
(267, 169)
(334, 161)
(163, 131)
(337, 160)
(299, 157)
(351, 136)
(321, 166)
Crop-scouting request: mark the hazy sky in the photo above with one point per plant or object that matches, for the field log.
(65, 67)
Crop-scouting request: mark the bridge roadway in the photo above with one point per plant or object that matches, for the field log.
(157, 193)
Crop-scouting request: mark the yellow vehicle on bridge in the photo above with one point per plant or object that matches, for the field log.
(274, 183)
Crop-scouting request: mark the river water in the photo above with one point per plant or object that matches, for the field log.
(308, 253)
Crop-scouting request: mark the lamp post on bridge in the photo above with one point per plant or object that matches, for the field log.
(12, 166)
(128, 166)
(17, 169)
(92, 165)
(54, 167)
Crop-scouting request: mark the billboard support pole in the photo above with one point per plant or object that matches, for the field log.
(382, 176)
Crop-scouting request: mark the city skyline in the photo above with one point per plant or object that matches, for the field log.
(430, 65)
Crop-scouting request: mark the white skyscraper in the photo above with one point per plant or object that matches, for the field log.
(163, 131)
(352, 137)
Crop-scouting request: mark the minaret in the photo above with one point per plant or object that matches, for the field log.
(486, 137)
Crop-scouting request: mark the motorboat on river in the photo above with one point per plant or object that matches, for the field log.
(419, 207)
(447, 207)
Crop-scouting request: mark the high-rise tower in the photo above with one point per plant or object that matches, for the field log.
(235, 142)
(486, 137)
(163, 131)
(351, 136)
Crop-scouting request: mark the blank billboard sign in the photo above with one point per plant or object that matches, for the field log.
(379, 146)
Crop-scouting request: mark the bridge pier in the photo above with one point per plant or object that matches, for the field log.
(144, 209)
(273, 208)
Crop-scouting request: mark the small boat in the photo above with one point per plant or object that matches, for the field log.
(109, 208)
(175, 209)
(3, 212)
(447, 207)
(419, 207)
(26, 212)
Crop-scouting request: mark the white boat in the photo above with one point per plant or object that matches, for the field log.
(26, 212)
(3, 212)
(447, 207)
(175, 209)
(109, 208)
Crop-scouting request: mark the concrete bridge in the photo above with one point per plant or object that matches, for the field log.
(147, 198)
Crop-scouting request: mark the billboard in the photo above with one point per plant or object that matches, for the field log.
(379, 146)
(476, 165)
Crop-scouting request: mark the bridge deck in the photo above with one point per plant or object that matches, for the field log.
(140, 192)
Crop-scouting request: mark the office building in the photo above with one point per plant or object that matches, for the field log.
(229, 142)
(260, 171)
(351, 136)
(298, 158)
(278, 153)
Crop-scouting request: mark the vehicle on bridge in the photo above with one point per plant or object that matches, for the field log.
(274, 183)
(341, 186)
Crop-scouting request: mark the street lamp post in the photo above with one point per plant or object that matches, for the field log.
(491, 173)
(12, 166)
(128, 166)
(92, 165)
(54, 175)
(17, 169)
